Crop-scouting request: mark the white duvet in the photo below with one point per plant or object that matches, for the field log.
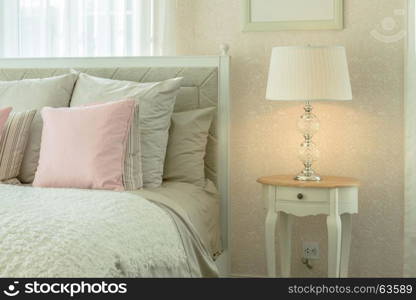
(83, 233)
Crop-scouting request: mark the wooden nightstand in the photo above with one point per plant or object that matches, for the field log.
(336, 197)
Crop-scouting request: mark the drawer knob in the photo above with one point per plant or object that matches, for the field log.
(300, 196)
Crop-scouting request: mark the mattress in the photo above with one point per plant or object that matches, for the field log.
(201, 206)
(163, 232)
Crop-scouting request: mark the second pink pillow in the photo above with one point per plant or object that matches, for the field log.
(84, 147)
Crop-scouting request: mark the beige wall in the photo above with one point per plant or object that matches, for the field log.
(362, 138)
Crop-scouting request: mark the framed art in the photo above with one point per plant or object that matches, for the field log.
(274, 15)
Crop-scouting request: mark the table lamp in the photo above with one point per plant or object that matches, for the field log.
(308, 73)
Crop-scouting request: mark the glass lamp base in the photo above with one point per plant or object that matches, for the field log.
(308, 125)
(308, 177)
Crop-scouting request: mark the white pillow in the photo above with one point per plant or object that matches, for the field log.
(156, 101)
(28, 94)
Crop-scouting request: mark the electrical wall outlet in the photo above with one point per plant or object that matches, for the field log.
(310, 250)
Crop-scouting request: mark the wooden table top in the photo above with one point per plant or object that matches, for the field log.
(326, 181)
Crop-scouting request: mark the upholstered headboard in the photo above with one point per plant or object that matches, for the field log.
(199, 90)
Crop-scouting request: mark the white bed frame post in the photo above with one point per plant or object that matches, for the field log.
(224, 262)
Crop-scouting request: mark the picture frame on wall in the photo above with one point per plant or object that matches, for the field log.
(275, 15)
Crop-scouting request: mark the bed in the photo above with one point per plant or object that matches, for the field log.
(176, 230)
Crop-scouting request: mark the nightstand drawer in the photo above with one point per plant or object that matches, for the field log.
(302, 194)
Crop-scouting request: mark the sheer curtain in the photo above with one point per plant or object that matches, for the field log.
(50, 28)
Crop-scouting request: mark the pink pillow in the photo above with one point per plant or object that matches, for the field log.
(4, 115)
(84, 147)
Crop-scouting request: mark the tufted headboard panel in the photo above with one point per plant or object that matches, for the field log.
(199, 90)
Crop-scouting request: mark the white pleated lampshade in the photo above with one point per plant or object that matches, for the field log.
(308, 73)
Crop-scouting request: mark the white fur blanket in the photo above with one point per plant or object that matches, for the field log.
(84, 233)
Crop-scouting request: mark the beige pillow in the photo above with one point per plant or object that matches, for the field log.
(13, 143)
(28, 94)
(156, 101)
(187, 146)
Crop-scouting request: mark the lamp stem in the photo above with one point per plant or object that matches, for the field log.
(308, 125)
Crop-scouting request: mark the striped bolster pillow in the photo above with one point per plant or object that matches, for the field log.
(13, 143)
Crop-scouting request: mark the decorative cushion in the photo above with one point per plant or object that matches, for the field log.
(13, 143)
(187, 146)
(84, 147)
(28, 94)
(156, 102)
(132, 173)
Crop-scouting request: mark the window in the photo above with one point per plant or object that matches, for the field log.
(47, 28)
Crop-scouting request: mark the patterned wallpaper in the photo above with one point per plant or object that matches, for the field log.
(362, 138)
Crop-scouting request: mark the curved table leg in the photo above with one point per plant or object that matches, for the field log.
(334, 245)
(345, 244)
(271, 220)
(333, 222)
(285, 240)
